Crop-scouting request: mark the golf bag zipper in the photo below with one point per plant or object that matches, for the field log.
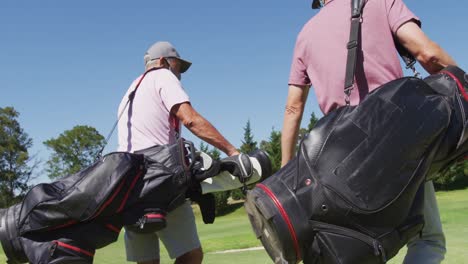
(375, 244)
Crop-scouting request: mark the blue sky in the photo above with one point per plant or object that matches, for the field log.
(67, 63)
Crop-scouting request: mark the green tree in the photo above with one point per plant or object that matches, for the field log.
(14, 158)
(312, 121)
(214, 152)
(73, 150)
(273, 148)
(454, 177)
(248, 144)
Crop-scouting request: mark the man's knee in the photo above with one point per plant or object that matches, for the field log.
(192, 257)
(155, 261)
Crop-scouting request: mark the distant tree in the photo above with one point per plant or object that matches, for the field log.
(14, 158)
(312, 121)
(203, 147)
(273, 148)
(214, 152)
(248, 144)
(302, 133)
(454, 177)
(73, 150)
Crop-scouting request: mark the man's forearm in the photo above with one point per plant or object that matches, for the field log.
(295, 103)
(289, 134)
(203, 129)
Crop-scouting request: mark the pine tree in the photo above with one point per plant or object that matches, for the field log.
(273, 148)
(248, 144)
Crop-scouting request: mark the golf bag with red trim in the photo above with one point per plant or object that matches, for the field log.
(67, 220)
(354, 191)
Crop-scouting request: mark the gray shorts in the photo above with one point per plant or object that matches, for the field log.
(179, 237)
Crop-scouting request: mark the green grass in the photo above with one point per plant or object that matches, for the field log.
(233, 231)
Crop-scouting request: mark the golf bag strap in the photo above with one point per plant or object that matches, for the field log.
(353, 44)
(357, 7)
(131, 96)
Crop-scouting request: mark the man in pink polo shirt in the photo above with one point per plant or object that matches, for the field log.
(153, 118)
(319, 60)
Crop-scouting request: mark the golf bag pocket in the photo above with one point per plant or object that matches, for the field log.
(336, 244)
(149, 222)
(66, 251)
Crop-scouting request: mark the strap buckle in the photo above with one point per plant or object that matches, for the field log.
(352, 44)
(347, 92)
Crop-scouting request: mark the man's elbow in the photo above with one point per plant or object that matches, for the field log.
(193, 121)
(432, 58)
(428, 54)
(189, 122)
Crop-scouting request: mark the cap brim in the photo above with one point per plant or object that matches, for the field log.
(316, 4)
(185, 65)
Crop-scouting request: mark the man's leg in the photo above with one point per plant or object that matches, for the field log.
(180, 236)
(430, 247)
(156, 261)
(142, 248)
(193, 257)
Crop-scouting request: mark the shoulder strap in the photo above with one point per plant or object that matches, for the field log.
(353, 44)
(131, 96)
(357, 7)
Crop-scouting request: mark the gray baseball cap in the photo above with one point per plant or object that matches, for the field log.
(166, 50)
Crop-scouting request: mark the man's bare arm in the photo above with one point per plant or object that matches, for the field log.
(431, 56)
(201, 128)
(297, 96)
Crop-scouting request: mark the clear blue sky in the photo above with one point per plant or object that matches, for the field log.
(67, 63)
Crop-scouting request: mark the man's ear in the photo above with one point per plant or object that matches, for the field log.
(163, 62)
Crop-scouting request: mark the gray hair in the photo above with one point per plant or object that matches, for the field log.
(147, 60)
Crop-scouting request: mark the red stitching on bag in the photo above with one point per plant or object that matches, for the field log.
(152, 216)
(110, 199)
(113, 228)
(69, 223)
(132, 185)
(285, 217)
(459, 84)
(77, 249)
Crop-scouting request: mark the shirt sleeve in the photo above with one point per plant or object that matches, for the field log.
(171, 91)
(398, 14)
(298, 74)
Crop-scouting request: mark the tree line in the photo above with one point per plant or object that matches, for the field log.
(77, 148)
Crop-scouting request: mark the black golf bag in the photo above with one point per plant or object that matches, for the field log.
(354, 191)
(67, 220)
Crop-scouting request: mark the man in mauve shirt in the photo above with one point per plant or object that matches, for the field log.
(319, 60)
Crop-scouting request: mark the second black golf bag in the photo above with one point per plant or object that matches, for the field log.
(67, 220)
(354, 192)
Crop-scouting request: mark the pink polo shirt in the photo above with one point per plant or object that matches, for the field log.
(149, 121)
(320, 54)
